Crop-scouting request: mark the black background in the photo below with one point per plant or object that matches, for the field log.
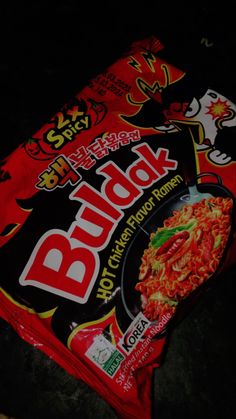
(48, 51)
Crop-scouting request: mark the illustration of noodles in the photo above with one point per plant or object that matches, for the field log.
(183, 254)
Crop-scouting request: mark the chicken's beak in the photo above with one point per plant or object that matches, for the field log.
(194, 128)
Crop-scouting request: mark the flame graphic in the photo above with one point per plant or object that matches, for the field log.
(218, 109)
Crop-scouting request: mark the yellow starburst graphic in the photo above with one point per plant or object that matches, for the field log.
(218, 109)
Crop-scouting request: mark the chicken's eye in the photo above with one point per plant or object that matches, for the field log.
(193, 108)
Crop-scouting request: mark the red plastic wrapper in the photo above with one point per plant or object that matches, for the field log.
(115, 216)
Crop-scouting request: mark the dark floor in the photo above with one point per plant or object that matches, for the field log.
(47, 54)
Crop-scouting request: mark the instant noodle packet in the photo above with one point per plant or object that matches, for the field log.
(123, 206)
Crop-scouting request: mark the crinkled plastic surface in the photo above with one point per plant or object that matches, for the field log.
(124, 206)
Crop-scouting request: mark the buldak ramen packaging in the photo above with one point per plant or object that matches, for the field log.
(123, 208)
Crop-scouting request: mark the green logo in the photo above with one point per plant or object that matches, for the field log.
(105, 355)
